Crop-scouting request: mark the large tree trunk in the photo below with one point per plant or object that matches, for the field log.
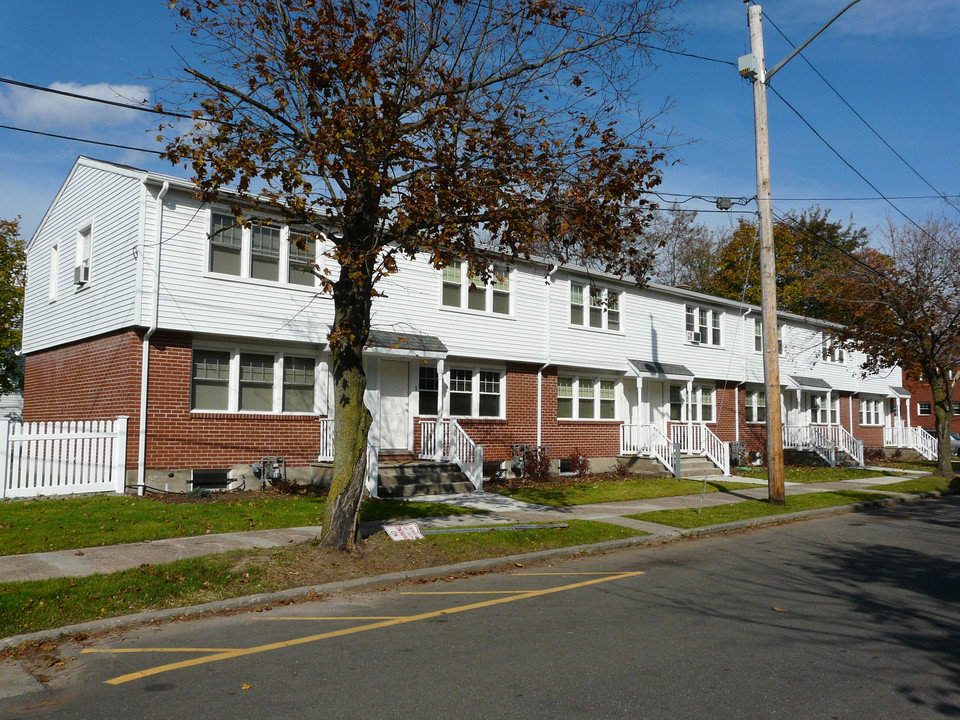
(941, 390)
(352, 303)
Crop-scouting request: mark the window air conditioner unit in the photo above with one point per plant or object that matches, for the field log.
(81, 274)
(693, 337)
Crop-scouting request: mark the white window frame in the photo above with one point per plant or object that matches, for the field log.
(84, 252)
(54, 272)
(475, 390)
(832, 351)
(695, 404)
(924, 408)
(246, 251)
(590, 387)
(598, 301)
(703, 322)
(500, 283)
(817, 408)
(758, 336)
(277, 388)
(752, 406)
(871, 411)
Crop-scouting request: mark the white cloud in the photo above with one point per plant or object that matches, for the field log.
(39, 110)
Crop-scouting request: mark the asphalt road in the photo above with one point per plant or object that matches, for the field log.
(854, 616)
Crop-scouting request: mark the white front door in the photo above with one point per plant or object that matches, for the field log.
(659, 407)
(394, 405)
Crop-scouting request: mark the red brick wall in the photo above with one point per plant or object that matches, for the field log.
(100, 379)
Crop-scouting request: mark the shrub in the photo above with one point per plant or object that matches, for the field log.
(536, 464)
(579, 465)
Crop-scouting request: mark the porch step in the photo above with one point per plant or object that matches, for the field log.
(694, 467)
(404, 479)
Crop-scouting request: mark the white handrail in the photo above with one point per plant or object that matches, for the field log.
(698, 438)
(846, 442)
(647, 440)
(325, 453)
(453, 445)
(924, 443)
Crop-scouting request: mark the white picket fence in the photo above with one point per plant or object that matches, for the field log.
(62, 458)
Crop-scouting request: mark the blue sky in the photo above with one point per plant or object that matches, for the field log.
(896, 63)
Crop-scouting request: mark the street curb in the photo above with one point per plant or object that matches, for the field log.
(303, 593)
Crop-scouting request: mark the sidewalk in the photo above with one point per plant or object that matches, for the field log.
(503, 510)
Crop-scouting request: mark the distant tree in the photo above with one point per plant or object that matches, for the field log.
(453, 131)
(685, 250)
(13, 269)
(902, 307)
(808, 245)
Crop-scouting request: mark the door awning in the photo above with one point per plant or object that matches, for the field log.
(898, 392)
(411, 344)
(655, 369)
(799, 382)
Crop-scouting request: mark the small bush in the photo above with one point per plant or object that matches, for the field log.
(873, 455)
(579, 465)
(536, 464)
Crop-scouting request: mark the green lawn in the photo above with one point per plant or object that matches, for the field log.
(61, 524)
(688, 517)
(565, 494)
(805, 474)
(927, 483)
(37, 605)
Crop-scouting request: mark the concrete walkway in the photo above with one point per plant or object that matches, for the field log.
(501, 509)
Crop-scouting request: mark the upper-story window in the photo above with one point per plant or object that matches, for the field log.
(462, 291)
(703, 325)
(594, 307)
(832, 351)
(758, 337)
(84, 254)
(261, 251)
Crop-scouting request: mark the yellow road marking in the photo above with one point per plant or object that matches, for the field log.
(333, 617)
(154, 650)
(229, 654)
(462, 592)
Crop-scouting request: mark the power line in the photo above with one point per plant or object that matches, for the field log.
(102, 101)
(82, 140)
(846, 162)
(940, 195)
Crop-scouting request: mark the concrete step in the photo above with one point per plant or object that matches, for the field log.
(405, 479)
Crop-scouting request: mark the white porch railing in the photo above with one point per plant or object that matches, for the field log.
(697, 438)
(452, 445)
(647, 440)
(810, 437)
(847, 443)
(62, 458)
(914, 438)
(326, 452)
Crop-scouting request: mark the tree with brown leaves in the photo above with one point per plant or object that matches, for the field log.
(902, 307)
(444, 129)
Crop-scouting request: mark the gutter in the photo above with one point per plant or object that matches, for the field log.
(549, 284)
(145, 361)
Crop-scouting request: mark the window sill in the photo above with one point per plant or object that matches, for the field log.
(604, 421)
(603, 331)
(247, 414)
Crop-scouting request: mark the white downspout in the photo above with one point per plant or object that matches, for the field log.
(549, 284)
(145, 361)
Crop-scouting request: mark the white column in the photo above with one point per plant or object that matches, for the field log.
(441, 408)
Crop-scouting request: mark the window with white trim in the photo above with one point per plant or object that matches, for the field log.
(923, 408)
(956, 408)
(755, 406)
(476, 393)
(758, 337)
(54, 272)
(832, 351)
(594, 307)
(703, 325)
(586, 398)
(700, 407)
(240, 381)
(871, 411)
(428, 390)
(459, 290)
(261, 251)
(834, 410)
(818, 409)
(84, 253)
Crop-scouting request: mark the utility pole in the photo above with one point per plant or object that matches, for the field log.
(753, 66)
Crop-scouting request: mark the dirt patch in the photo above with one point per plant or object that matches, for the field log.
(555, 482)
(281, 489)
